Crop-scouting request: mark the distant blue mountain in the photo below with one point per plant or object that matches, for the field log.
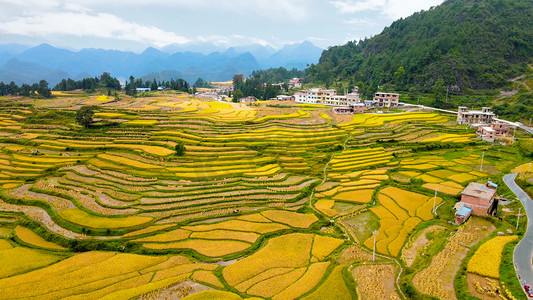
(50, 63)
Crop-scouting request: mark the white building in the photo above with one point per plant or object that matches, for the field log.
(326, 97)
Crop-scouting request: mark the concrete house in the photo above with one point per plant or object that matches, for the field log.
(480, 198)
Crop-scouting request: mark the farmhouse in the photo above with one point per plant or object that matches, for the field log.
(141, 90)
(249, 99)
(295, 83)
(358, 108)
(475, 117)
(284, 98)
(480, 198)
(386, 99)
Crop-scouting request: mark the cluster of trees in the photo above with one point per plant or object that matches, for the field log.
(468, 44)
(277, 75)
(89, 84)
(176, 85)
(40, 89)
(253, 86)
(200, 83)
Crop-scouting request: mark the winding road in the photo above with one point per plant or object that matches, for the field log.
(523, 252)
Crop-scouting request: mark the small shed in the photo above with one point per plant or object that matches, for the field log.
(462, 215)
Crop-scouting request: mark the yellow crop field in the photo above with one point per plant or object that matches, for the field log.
(4, 245)
(324, 246)
(486, 260)
(274, 285)
(447, 187)
(209, 248)
(77, 216)
(248, 237)
(292, 219)
(333, 287)
(326, 116)
(16, 260)
(522, 168)
(307, 282)
(147, 230)
(245, 285)
(238, 225)
(171, 236)
(31, 238)
(464, 177)
(142, 122)
(108, 115)
(359, 196)
(207, 277)
(102, 98)
(398, 212)
(214, 295)
(406, 199)
(286, 251)
(128, 162)
(450, 138)
(325, 206)
(219, 105)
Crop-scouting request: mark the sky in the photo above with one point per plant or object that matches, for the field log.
(135, 25)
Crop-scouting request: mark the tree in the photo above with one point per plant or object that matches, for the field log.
(237, 95)
(84, 115)
(43, 89)
(238, 81)
(180, 149)
(439, 92)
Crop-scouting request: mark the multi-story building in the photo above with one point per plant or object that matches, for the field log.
(475, 117)
(480, 198)
(386, 99)
(326, 97)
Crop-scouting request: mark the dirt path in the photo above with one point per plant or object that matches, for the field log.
(413, 249)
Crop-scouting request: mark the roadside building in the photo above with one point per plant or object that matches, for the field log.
(475, 117)
(386, 99)
(327, 97)
(480, 198)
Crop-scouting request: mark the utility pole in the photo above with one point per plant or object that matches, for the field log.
(529, 168)
(375, 232)
(482, 157)
(530, 121)
(435, 200)
(518, 220)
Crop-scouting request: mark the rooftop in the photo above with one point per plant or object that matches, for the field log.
(463, 211)
(479, 190)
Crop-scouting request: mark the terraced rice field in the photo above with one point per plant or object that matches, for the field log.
(263, 203)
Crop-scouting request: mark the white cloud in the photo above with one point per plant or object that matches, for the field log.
(393, 9)
(231, 40)
(82, 24)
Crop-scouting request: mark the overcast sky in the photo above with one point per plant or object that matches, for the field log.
(135, 25)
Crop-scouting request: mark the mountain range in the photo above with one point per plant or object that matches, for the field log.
(23, 64)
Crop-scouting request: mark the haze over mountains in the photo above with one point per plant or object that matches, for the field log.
(24, 64)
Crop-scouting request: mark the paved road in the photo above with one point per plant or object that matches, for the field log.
(528, 129)
(523, 253)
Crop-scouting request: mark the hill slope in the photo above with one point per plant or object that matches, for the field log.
(477, 44)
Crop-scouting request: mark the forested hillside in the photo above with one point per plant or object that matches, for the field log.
(463, 44)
